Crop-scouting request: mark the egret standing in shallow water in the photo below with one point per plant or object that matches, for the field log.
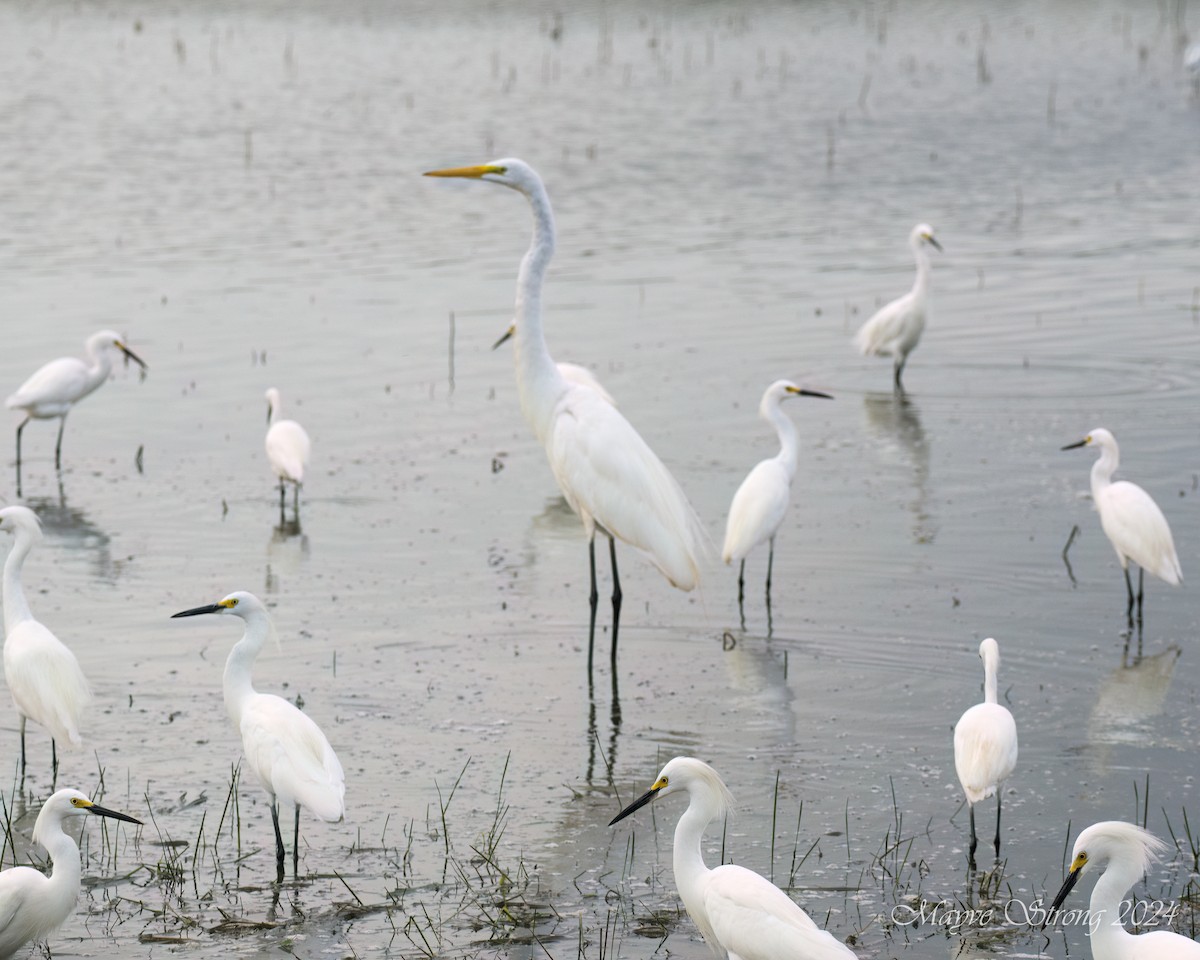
(737, 910)
(32, 905)
(286, 750)
(288, 448)
(43, 676)
(55, 388)
(761, 501)
(1127, 852)
(985, 744)
(1131, 520)
(895, 329)
(607, 472)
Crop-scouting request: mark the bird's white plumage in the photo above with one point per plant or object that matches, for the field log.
(606, 471)
(1124, 852)
(56, 386)
(738, 911)
(895, 329)
(287, 444)
(985, 737)
(43, 676)
(33, 905)
(1131, 520)
(580, 376)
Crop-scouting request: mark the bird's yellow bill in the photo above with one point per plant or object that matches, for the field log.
(469, 173)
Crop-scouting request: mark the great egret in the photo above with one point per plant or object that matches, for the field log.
(895, 330)
(1128, 852)
(761, 501)
(606, 471)
(55, 388)
(32, 905)
(1131, 520)
(572, 372)
(286, 750)
(288, 449)
(985, 744)
(43, 676)
(737, 910)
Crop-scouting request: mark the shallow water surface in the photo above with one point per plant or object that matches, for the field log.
(236, 187)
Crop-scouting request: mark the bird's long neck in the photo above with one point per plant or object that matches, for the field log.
(62, 887)
(687, 859)
(1104, 468)
(990, 683)
(789, 445)
(274, 412)
(1107, 932)
(100, 367)
(537, 376)
(921, 255)
(16, 607)
(237, 681)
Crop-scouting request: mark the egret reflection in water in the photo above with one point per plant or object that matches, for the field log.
(1127, 701)
(70, 528)
(894, 424)
(287, 552)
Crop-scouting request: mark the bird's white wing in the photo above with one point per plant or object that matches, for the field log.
(1138, 529)
(753, 918)
(288, 449)
(892, 326)
(985, 749)
(1162, 945)
(45, 680)
(609, 473)
(757, 509)
(291, 756)
(583, 377)
(61, 381)
(22, 892)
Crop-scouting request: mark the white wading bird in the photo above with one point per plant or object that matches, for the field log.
(288, 449)
(738, 912)
(606, 471)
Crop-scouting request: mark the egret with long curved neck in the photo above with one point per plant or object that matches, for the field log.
(43, 676)
(895, 329)
(737, 911)
(607, 472)
(1125, 853)
(32, 905)
(985, 744)
(1132, 521)
(762, 500)
(284, 748)
(56, 387)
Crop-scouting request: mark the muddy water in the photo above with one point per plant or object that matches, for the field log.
(237, 190)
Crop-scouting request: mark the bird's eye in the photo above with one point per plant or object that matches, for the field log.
(233, 603)
(76, 802)
(1082, 858)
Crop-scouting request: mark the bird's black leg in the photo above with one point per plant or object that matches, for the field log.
(616, 597)
(593, 599)
(898, 374)
(974, 839)
(62, 423)
(997, 843)
(19, 429)
(278, 840)
(770, 565)
(296, 502)
(296, 844)
(22, 751)
(1141, 585)
(742, 583)
(1129, 588)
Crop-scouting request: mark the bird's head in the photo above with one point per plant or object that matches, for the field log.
(922, 235)
(108, 338)
(685, 773)
(781, 390)
(18, 519)
(509, 172)
(238, 604)
(989, 653)
(1098, 437)
(1112, 840)
(71, 803)
(508, 335)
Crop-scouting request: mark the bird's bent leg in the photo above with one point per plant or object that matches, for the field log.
(278, 839)
(898, 373)
(296, 843)
(593, 599)
(616, 596)
(1129, 588)
(62, 423)
(974, 839)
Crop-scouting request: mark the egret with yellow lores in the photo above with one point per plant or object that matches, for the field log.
(284, 748)
(737, 911)
(607, 472)
(33, 905)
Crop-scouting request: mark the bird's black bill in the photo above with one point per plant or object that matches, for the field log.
(504, 339)
(813, 393)
(132, 356)
(1067, 887)
(196, 611)
(1075, 446)
(937, 246)
(105, 812)
(637, 804)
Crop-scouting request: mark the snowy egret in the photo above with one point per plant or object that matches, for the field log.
(895, 329)
(1127, 852)
(737, 910)
(572, 372)
(286, 750)
(607, 472)
(762, 500)
(55, 388)
(288, 448)
(985, 744)
(1131, 520)
(32, 905)
(43, 676)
